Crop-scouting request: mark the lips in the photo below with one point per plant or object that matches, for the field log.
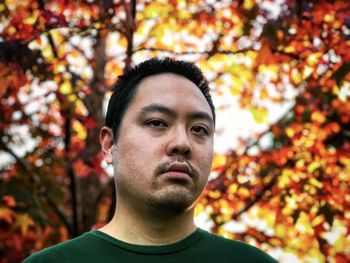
(179, 171)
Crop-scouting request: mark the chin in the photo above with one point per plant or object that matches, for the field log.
(172, 203)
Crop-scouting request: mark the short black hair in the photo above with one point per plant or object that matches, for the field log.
(124, 89)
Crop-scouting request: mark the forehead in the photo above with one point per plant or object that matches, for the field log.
(171, 90)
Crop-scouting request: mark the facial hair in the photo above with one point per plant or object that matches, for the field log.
(177, 199)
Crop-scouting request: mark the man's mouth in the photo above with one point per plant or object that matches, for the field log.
(178, 171)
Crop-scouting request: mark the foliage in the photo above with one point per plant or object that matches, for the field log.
(59, 58)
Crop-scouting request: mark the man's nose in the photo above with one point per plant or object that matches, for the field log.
(179, 144)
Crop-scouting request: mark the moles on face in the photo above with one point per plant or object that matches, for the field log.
(163, 154)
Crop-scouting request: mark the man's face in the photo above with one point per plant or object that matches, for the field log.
(163, 154)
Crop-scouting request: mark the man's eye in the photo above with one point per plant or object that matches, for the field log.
(200, 130)
(156, 124)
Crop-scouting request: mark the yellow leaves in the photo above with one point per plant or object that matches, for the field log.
(316, 183)
(23, 222)
(80, 130)
(184, 14)
(290, 132)
(225, 209)
(112, 71)
(30, 20)
(57, 36)
(281, 231)
(243, 192)
(313, 59)
(271, 70)
(214, 194)
(232, 189)
(218, 161)
(198, 209)
(307, 71)
(260, 114)
(66, 87)
(248, 4)
(329, 18)
(284, 180)
(156, 9)
(219, 62)
(303, 224)
(337, 237)
(295, 76)
(264, 94)
(275, 242)
(269, 218)
(317, 220)
(342, 245)
(11, 30)
(345, 161)
(313, 166)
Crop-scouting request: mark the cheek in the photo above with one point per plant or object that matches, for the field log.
(135, 153)
(207, 158)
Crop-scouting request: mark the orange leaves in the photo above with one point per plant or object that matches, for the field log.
(9, 200)
(6, 214)
(90, 166)
(265, 55)
(306, 164)
(11, 76)
(82, 170)
(268, 56)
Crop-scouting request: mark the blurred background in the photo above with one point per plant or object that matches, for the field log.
(279, 75)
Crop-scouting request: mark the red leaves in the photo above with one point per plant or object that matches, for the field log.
(18, 29)
(306, 164)
(25, 26)
(91, 165)
(11, 76)
(53, 20)
(81, 169)
(88, 122)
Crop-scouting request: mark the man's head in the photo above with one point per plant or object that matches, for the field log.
(159, 136)
(126, 86)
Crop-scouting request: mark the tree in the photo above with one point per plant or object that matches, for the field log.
(58, 60)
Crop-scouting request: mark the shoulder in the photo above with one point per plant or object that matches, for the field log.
(237, 250)
(62, 252)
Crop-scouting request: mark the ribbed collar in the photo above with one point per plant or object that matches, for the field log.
(154, 249)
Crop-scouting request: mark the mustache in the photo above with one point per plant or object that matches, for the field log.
(164, 166)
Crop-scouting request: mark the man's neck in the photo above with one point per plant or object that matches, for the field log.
(144, 228)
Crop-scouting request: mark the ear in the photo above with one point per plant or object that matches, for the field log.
(106, 141)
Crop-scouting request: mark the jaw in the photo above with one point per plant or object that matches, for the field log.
(172, 200)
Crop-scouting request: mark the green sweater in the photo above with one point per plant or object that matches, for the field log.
(200, 246)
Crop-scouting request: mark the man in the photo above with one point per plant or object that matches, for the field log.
(159, 138)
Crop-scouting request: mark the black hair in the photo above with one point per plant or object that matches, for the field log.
(124, 89)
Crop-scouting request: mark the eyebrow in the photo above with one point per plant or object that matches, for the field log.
(156, 107)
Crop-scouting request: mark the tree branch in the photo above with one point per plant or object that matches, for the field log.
(129, 32)
(24, 165)
(257, 197)
(60, 212)
(19, 160)
(193, 52)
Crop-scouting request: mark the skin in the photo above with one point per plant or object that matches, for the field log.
(167, 127)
